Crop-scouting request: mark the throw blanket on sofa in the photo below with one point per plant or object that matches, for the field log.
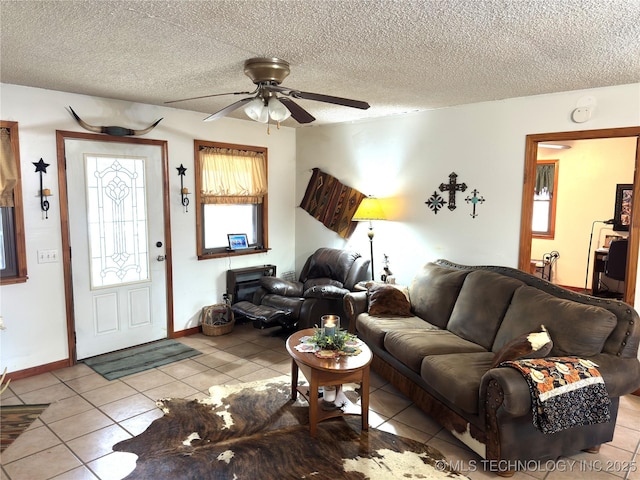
(565, 392)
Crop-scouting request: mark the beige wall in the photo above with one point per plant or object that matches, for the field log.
(587, 178)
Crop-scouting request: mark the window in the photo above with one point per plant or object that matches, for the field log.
(544, 200)
(231, 197)
(13, 258)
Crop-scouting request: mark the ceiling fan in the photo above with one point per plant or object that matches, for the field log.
(271, 101)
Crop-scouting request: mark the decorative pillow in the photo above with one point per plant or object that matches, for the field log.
(388, 301)
(536, 344)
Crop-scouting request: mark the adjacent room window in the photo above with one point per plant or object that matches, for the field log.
(231, 197)
(544, 199)
(13, 259)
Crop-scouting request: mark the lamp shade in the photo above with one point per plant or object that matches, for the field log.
(256, 110)
(277, 111)
(369, 209)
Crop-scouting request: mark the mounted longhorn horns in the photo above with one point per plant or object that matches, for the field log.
(116, 131)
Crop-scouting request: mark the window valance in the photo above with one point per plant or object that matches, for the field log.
(545, 177)
(232, 176)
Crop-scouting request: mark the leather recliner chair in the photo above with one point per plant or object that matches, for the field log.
(327, 276)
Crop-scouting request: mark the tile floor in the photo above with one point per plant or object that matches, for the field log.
(88, 414)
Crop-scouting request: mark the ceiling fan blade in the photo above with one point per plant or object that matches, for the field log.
(329, 99)
(298, 113)
(214, 95)
(228, 109)
(319, 97)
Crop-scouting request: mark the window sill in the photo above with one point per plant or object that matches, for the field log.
(13, 280)
(233, 253)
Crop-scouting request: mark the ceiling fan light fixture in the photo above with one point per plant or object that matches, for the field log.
(256, 110)
(277, 111)
(555, 146)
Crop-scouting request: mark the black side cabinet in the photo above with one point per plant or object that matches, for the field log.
(242, 282)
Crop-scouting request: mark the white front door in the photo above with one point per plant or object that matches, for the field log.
(116, 232)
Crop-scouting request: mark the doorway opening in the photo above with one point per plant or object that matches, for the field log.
(531, 157)
(131, 187)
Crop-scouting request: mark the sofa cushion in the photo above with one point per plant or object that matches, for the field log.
(433, 293)
(457, 377)
(481, 305)
(575, 328)
(373, 329)
(411, 346)
(536, 344)
(388, 301)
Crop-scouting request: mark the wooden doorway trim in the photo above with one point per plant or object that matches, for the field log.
(529, 180)
(61, 136)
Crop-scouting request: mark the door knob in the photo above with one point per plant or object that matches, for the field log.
(161, 258)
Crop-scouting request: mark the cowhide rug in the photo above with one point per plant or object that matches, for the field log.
(254, 431)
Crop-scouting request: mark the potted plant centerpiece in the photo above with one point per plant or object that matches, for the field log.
(332, 341)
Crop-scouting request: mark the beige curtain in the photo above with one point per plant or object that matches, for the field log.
(232, 176)
(8, 169)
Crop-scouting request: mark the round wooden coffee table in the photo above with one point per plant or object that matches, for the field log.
(322, 371)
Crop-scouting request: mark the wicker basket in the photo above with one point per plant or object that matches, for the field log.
(217, 320)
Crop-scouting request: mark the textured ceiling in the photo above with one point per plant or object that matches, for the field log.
(399, 56)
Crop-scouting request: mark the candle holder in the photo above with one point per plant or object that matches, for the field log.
(330, 325)
(45, 193)
(184, 192)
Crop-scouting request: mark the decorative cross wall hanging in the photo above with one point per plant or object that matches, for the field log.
(474, 200)
(452, 187)
(435, 202)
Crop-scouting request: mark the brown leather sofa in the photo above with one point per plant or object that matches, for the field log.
(441, 356)
(327, 276)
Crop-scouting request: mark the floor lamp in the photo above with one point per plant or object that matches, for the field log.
(369, 210)
(586, 279)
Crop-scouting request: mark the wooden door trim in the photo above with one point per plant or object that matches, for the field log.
(61, 136)
(531, 154)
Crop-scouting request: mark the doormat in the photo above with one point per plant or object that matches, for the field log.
(255, 430)
(15, 419)
(138, 359)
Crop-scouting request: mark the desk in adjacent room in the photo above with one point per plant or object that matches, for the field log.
(599, 264)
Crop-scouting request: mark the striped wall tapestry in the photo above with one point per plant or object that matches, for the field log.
(331, 203)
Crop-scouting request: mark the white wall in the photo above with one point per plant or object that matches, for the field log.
(34, 312)
(587, 177)
(403, 158)
(407, 157)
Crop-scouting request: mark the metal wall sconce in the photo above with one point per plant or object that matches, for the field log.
(184, 192)
(45, 193)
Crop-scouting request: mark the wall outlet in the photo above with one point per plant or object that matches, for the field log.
(47, 256)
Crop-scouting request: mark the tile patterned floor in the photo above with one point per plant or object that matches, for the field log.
(72, 439)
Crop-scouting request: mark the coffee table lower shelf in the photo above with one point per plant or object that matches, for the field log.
(347, 407)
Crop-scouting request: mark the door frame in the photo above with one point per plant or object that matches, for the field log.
(529, 180)
(61, 136)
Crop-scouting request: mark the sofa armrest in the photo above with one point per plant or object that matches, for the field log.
(325, 291)
(621, 376)
(355, 303)
(517, 397)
